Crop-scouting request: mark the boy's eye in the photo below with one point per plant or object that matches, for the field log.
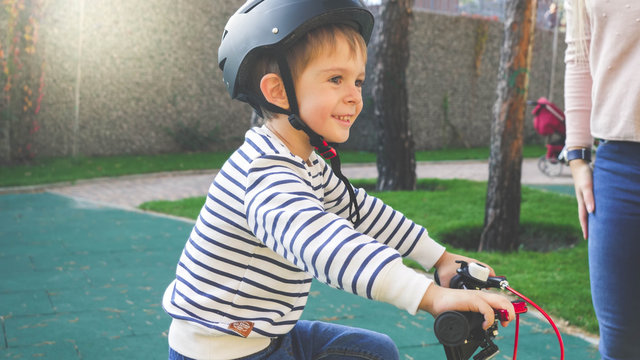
(359, 83)
(336, 79)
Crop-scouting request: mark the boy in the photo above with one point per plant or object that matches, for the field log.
(277, 215)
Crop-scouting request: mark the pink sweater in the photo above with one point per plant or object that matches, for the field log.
(602, 96)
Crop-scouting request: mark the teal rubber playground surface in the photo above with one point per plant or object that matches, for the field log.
(85, 281)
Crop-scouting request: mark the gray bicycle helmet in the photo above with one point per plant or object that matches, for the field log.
(272, 26)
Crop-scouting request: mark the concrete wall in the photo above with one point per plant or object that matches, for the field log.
(144, 69)
(122, 76)
(450, 101)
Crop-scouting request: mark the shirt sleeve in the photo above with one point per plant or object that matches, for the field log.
(285, 214)
(383, 223)
(577, 86)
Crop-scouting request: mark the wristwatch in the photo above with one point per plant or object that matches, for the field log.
(581, 153)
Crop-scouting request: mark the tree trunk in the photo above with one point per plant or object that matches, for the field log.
(396, 158)
(502, 212)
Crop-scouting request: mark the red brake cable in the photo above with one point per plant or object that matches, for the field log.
(555, 328)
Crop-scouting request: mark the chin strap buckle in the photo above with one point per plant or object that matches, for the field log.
(326, 151)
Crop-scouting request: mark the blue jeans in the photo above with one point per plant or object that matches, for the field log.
(315, 340)
(614, 249)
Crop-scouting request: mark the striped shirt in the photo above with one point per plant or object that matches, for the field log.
(270, 224)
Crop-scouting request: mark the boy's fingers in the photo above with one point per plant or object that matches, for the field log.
(489, 316)
(497, 302)
(482, 302)
(512, 314)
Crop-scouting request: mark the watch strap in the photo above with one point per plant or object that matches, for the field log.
(581, 153)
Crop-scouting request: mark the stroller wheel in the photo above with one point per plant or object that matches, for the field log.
(550, 167)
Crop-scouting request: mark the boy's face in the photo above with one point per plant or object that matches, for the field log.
(329, 91)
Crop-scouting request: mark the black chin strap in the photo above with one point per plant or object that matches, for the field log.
(320, 145)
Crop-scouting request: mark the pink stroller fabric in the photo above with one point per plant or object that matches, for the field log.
(549, 120)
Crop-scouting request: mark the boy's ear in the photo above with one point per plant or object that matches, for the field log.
(273, 90)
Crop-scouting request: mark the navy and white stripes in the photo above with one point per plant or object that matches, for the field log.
(270, 222)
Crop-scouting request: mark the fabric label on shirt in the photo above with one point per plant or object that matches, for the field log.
(241, 327)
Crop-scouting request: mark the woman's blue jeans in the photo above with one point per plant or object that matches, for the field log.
(315, 340)
(614, 249)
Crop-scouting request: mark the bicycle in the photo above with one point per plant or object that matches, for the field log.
(461, 333)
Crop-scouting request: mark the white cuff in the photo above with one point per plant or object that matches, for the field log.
(403, 287)
(427, 252)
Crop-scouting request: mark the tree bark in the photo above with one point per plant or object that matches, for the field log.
(396, 155)
(502, 211)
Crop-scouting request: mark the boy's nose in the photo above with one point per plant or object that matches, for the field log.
(354, 95)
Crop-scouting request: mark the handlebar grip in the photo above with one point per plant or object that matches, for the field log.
(452, 328)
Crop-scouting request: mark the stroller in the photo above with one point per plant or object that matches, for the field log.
(548, 121)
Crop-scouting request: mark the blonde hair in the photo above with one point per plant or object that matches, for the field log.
(323, 40)
(579, 28)
(319, 41)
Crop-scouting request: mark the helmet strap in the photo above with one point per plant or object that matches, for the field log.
(321, 146)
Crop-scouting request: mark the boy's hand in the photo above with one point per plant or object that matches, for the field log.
(447, 267)
(437, 300)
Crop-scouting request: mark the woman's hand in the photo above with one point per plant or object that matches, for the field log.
(583, 183)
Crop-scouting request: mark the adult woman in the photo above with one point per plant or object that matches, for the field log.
(602, 100)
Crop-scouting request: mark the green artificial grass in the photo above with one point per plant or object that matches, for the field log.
(53, 170)
(453, 211)
(187, 208)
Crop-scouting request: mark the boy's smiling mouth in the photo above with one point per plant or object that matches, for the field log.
(343, 118)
